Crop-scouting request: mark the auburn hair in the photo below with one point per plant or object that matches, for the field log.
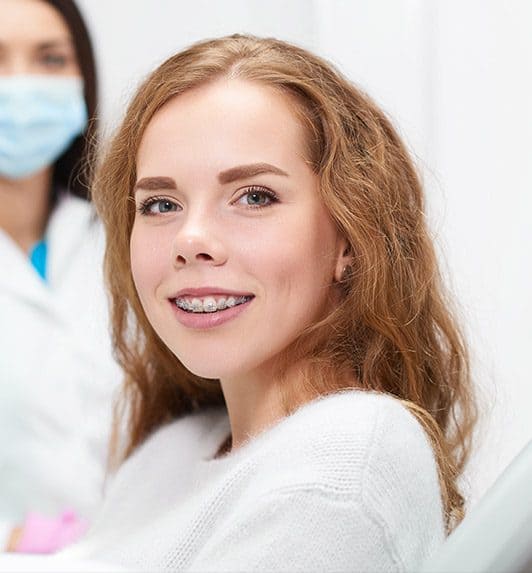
(393, 330)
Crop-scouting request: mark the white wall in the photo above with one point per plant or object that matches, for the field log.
(456, 77)
(132, 36)
(483, 157)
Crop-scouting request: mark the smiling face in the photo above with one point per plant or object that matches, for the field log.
(35, 40)
(232, 251)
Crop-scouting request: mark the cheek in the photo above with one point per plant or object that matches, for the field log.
(297, 264)
(147, 262)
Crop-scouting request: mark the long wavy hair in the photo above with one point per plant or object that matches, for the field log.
(393, 331)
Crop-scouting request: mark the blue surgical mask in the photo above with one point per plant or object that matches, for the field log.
(40, 116)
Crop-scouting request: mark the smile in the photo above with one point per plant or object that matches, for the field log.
(209, 304)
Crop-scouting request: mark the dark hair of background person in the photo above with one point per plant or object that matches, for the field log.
(70, 170)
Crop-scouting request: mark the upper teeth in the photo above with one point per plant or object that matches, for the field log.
(209, 303)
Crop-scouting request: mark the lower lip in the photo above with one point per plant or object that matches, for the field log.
(200, 321)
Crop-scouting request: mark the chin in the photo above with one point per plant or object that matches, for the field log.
(202, 370)
(212, 367)
(216, 366)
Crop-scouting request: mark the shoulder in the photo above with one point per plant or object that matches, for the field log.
(70, 206)
(356, 412)
(367, 452)
(369, 420)
(73, 221)
(342, 439)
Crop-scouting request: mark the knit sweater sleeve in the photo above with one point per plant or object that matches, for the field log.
(300, 531)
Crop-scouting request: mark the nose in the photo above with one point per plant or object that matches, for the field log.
(196, 242)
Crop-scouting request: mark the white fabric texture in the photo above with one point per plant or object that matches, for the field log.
(57, 374)
(346, 483)
(25, 563)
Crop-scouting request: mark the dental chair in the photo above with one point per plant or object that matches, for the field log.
(496, 536)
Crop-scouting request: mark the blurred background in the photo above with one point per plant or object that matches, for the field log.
(455, 76)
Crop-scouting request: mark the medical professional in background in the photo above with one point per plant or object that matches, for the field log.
(57, 374)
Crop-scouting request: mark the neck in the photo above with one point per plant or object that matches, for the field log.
(25, 207)
(257, 401)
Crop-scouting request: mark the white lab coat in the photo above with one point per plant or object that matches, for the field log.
(57, 375)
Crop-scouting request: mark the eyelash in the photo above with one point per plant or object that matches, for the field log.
(144, 207)
(261, 191)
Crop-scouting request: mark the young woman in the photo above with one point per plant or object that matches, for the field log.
(296, 389)
(57, 374)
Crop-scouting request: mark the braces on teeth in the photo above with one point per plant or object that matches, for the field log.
(210, 304)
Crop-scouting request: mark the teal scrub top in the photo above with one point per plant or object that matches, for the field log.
(38, 256)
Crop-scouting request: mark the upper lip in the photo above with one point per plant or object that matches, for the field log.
(208, 291)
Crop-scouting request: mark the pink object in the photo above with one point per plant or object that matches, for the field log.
(42, 534)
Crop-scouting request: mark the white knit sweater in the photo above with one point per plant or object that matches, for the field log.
(346, 483)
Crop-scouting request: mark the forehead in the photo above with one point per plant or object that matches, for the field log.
(31, 20)
(226, 121)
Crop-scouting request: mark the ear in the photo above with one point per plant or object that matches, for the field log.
(344, 258)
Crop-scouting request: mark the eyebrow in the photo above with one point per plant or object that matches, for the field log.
(59, 43)
(245, 171)
(155, 184)
(50, 44)
(224, 177)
